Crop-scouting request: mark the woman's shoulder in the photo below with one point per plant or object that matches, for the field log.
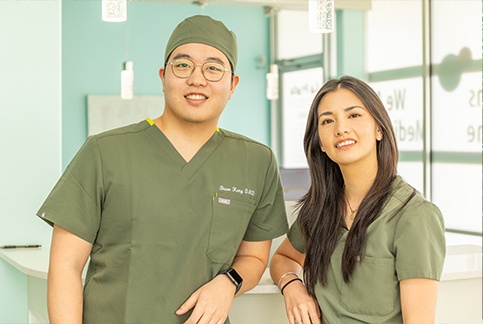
(414, 202)
(402, 191)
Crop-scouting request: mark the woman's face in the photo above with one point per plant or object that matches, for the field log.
(348, 133)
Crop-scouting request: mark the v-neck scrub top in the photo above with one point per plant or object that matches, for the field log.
(161, 227)
(411, 245)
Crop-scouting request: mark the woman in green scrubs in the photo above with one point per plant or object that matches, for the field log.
(368, 246)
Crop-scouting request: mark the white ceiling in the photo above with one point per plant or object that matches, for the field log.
(280, 4)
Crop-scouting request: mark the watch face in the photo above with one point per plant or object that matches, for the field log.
(232, 273)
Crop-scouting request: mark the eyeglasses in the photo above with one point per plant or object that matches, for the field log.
(212, 71)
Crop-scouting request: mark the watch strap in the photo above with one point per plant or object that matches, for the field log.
(234, 277)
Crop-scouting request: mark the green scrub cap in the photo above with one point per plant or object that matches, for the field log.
(204, 30)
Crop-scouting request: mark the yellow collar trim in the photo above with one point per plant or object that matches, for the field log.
(150, 121)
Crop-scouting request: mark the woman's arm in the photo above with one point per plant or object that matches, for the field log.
(285, 266)
(418, 300)
(68, 256)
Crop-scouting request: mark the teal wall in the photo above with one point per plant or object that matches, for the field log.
(351, 43)
(93, 52)
(13, 295)
(30, 134)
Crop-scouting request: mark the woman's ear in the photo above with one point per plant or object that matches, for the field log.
(322, 147)
(379, 135)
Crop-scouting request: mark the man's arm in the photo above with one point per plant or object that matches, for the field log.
(250, 262)
(212, 302)
(68, 256)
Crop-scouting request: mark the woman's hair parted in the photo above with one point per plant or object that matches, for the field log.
(322, 208)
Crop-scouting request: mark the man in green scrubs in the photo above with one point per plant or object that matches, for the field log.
(176, 214)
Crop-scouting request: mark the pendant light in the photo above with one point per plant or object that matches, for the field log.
(114, 10)
(321, 16)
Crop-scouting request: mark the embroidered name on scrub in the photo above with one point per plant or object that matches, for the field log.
(237, 190)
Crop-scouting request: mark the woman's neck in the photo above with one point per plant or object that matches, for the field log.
(358, 180)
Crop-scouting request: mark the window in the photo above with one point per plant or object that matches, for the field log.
(438, 130)
(456, 112)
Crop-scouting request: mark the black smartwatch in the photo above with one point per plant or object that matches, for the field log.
(234, 277)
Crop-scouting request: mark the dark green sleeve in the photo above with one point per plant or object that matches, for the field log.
(419, 242)
(270, 218)
(75, 201)
(295, 237)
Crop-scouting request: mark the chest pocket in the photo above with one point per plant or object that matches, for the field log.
(372, 289)
(231, 214)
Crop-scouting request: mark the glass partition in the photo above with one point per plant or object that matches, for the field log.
(457, 112)
(437, 116)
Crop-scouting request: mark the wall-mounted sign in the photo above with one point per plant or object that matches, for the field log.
(299, 89)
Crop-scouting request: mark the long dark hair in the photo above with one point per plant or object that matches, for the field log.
(322, 208)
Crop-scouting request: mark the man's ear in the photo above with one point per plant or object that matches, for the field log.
(234, 83)
(161, 76)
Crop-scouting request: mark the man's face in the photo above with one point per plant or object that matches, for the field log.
(194, 99)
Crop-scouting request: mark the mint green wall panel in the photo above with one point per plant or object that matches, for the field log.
(30, 141)
(351, 38)
(13, 295)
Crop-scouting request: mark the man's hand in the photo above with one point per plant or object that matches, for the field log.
(211, 303)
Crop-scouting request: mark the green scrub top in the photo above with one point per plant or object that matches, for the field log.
(161, 227)
(411, 245)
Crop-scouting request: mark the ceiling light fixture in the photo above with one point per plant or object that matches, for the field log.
(114, 10)
(321, 16)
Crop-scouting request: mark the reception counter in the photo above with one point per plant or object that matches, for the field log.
(459, 300)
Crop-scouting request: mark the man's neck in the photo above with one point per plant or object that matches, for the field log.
(187, 138)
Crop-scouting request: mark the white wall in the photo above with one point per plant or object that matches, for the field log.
(30, 133)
